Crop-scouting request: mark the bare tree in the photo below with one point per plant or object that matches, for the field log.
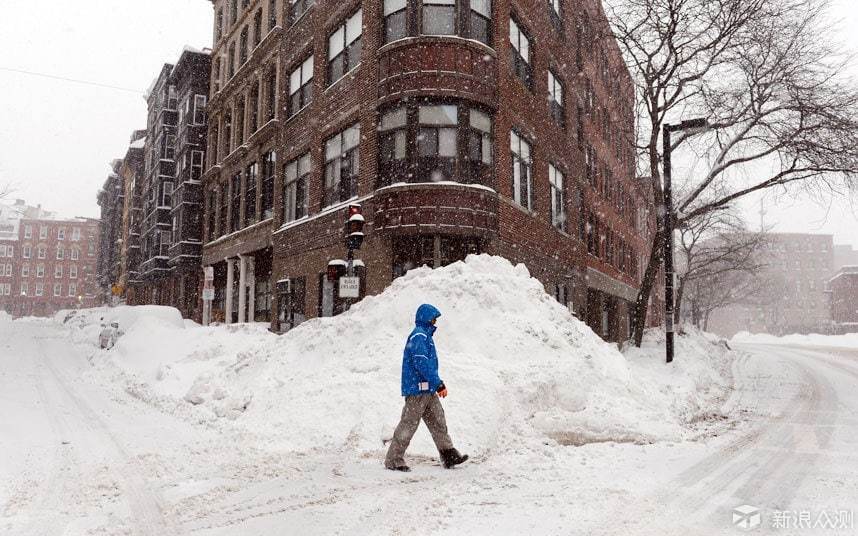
(769, 84)
(715, 247)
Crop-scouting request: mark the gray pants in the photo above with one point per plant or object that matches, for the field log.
(426, 407)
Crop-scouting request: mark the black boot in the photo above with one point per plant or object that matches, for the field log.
(451, 457)
(403, 468)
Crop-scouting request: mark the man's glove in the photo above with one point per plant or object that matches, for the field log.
(442, 391)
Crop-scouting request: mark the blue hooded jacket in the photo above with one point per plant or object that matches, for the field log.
(419, 360)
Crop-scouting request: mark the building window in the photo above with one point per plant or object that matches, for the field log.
(272, 14)
(28, 232)
(28, 251)
(72, 290)
(40, 289)
(236, 202)
(166, 194)
(555, 99)
(554, 11)
(342, 165)
(166, 237)
(196, 165)
(435, 142)
(242, 46)
(58, 271)
(522, 166)
(42, 252)
(169, 147)
(558, 204)
(301, 86)
(481, 21)
(40, 270)
(520, 53)
(230, 68)
(43, 232)
(75, 254)
(269, 169)
(73, 271)
(250, 177)
(257, 28)
(25, 270)
(224, 208)
(299, 7)
(61, 253)
(439, 17)
(219, 25)
(61, 233)
(296, 194)
(25, 289)
(395, 20)
(199, 109)
(271, 93)
(344, 47)
(253, 126)
(239, 122)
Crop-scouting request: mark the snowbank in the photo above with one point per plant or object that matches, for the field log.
(522, 372)
(849, 340)
(5, 317)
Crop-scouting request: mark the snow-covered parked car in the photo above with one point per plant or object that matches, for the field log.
(108, 336)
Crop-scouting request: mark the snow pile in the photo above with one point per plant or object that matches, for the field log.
(522, 372)
(849, 340)
(698, 380)
(5, 317)
(86, 324)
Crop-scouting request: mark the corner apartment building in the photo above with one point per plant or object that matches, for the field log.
(111, 200)
(173, 156)
(47, 264)
(462, 126)
(794, 298)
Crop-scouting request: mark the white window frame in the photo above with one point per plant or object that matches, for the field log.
(61, 233)
(42, 252)
(40, 270)
(58, 271)
(25, 270)
(517, 143)
(28, 252)
(72, 290)
(61, 253)
(164, 193)
(341, 39)
(73, 271)
(40, 289)
(76, 234)
(200, 102)
(298, 79)
(558, 206)
(28, 232)
(75, 254)
(43, 232)
(25, 288)
(58, 290)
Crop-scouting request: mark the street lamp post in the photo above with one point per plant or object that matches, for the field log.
(692, 125)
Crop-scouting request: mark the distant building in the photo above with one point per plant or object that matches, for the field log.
(844, 255)
(793, 297)
(844, 300)
(46, 263)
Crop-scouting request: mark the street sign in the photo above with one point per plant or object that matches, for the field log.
(349, 287)
(209, 273)
(208, 294)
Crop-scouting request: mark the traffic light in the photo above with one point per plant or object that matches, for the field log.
(354, 227)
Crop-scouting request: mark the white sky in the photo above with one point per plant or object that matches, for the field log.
(57, 138)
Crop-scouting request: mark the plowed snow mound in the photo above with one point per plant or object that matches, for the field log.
(518, 365)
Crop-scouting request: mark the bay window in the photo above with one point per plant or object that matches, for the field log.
(344, 47)
(301, 86)
(522, 170)
(295, 192)
(342, 165)
(444, 141)
(395, 20)
(470, 19)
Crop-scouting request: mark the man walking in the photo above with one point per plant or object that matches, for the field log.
(421, 388)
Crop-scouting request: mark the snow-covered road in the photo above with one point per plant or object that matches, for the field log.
(84, 458)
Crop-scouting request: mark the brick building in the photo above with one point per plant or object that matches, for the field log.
(460, 126)
(844, 300)
(794, 298)
(111, 200)
(48, 264)
(171, 208)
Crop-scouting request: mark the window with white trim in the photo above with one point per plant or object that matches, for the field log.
(40, 289)
(73, 271)
(296, 193)
(61, 253)
(28, 252)
(25, 289)
(75, 234)
(342, 165)
(58, 271)
(25, 270)
(42, 252)
(40, 270)
(58, 289)
(28, 232)
(43, 232)
(301, 86)
(166, 194)
(72, 290)
(344, 47)
(520, 53)
(75, 254)
(522, 170)
(555, 99)
(200, 109)
(558, 203)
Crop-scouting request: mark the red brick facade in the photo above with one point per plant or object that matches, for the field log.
(52, 267)
(844, 300)
(589, 254)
